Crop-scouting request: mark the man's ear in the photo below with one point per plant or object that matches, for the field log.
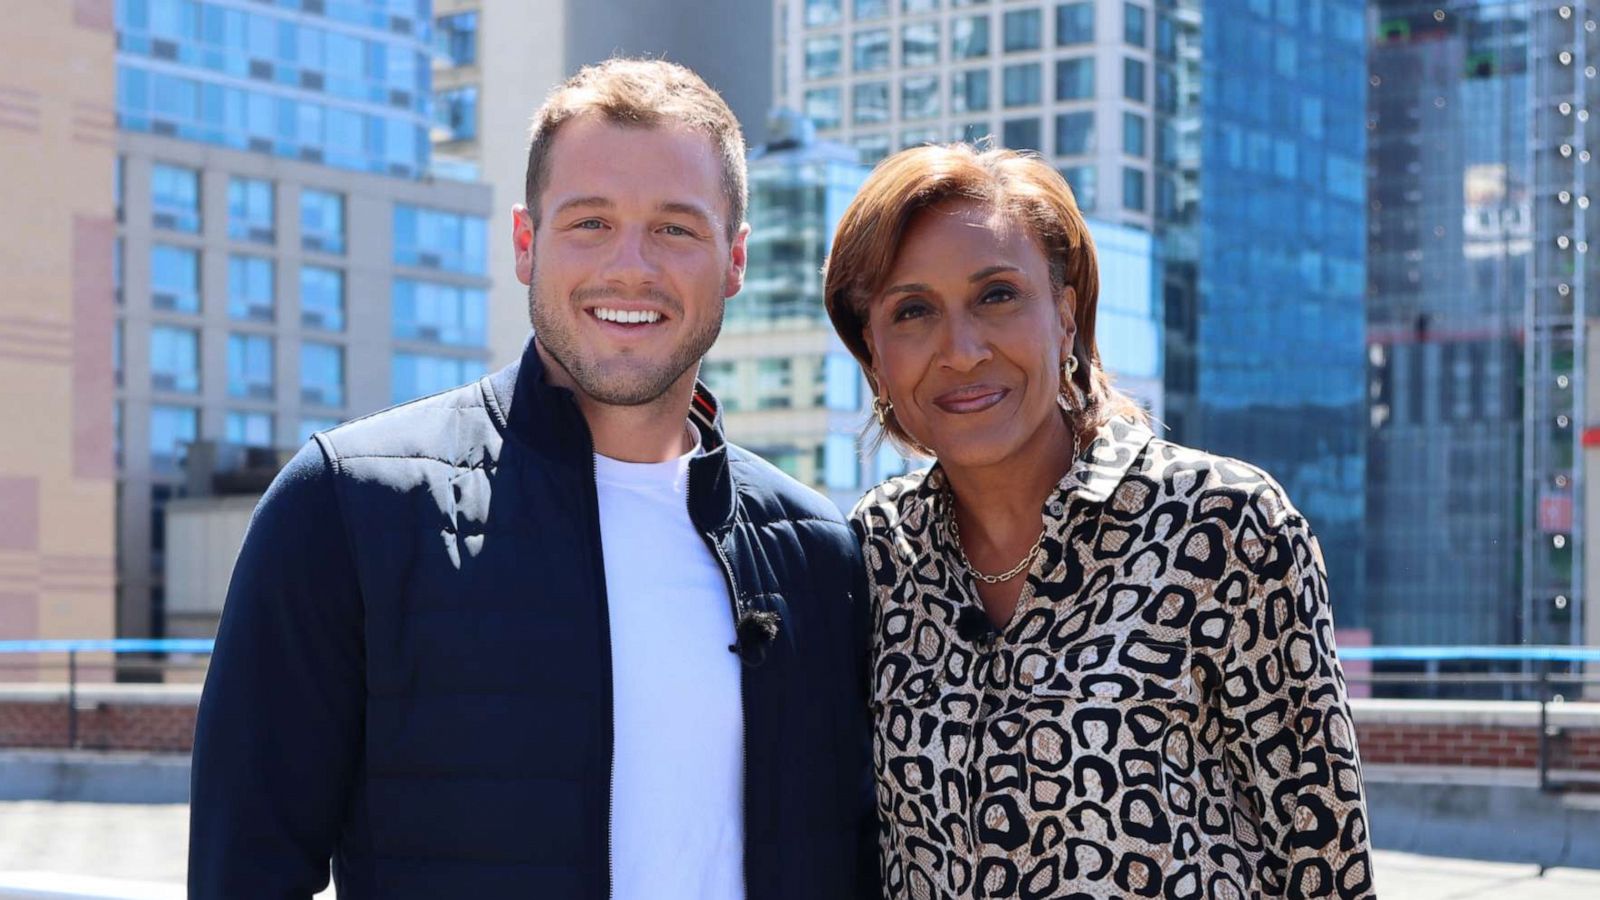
(522, 230)
(738, 256)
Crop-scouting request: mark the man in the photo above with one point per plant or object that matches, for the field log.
(550, 635)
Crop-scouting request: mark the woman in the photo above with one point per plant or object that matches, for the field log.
(1102, 663)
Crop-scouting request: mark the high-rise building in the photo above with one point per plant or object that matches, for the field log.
(57, 146)
(1269, 246)
(496, 60)
(1481, 294)
(1230, 130)
(281, 262)
(1080, 82)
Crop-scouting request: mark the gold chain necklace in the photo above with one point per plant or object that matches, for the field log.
(1026, 561)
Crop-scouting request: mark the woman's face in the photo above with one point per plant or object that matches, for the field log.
(967, 340)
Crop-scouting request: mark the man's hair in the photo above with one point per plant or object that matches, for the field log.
(641, 93)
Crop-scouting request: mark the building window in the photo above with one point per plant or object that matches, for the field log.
(872, 50)
(435, 239)
(1133, 24)
(969, 38)
(869, 103)
(913, 7)
(824, 56)
(841, 463)
(822, 12)
(172, 430)
(1133, 79)
(975, 133)
(1075, 78)
(250, 288)
(822, 107)
(250, 210)
(919, 97)
(1021, 134)
(174, 278)
(455, 114)
(310, 425)
(174, 359)
(321, 221)
(774, 382)
(1022, 85)
(916, 137)
(248, 429)
(418, 375)
(117, 251)
(1074, 24)
(175, 198)
(871, 9)
(321, 374)
(117, 353)
(969, 91)
(1166, 90)
(118, 185)
(1133, 134)
(250, 366)
(455, 38)
(919, 44)
(440, 313)
(1082, 181)
(842, 383)
(1023, 30)
(872, 148)
(1133, 189)
(322, 298)
(1075, 134)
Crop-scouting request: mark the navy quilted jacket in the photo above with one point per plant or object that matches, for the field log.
(413, 678)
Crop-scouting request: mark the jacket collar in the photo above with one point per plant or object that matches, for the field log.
(546, 418)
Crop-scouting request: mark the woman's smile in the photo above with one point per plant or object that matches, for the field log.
(971, 398)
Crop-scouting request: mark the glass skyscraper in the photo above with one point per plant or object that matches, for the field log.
(1276, 235)
(344, 83)
(1477, 318)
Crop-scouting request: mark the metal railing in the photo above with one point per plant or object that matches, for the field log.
(1543, 680)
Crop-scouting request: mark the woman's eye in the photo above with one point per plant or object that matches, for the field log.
(910, 311)
(998, 295)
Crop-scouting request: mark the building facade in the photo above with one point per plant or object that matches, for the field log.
(274, 282)
(1276, 235)
(57, 478)
(1080, 82)
(1481, 293)
(496, 60)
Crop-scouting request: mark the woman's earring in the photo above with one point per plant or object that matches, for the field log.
(881, 409)
(1069, 368)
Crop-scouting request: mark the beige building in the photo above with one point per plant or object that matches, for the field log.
(57, 479)
(497, 59)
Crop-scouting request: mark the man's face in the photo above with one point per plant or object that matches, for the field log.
(630, 264)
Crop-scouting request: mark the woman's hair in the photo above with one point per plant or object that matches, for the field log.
(1016, 185)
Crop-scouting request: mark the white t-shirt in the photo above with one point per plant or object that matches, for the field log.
(677, 783)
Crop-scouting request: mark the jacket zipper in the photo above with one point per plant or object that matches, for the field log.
(610, 685)
(744, 705)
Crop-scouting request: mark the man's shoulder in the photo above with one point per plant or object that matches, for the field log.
(428, 428)
(771, 495)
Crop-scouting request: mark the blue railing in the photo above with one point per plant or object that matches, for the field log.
(119, 645)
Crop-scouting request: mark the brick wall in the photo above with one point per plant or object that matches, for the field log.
(147, 718)
(1501, 735)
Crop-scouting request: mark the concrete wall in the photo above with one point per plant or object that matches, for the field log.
(57, 232)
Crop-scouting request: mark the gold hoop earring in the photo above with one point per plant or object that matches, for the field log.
(1069, 368)
(881, 409)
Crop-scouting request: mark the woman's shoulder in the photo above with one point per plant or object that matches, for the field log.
(1212, 482)
(889, 503)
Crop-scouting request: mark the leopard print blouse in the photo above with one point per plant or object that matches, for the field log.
(1163, 716)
